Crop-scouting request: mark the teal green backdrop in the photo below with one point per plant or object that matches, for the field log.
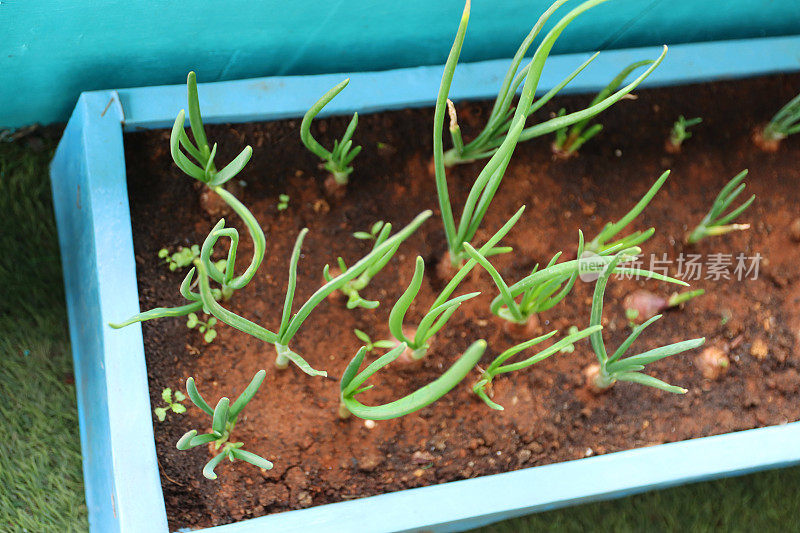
(51, 50)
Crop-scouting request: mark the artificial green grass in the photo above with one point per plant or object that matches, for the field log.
(41, 483)
(41, 487)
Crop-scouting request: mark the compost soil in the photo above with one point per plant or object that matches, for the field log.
(549, 414)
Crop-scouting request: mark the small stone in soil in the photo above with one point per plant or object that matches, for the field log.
(759, 349)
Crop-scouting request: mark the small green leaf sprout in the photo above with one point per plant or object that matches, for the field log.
(337, 161)
(500, 120)
(569, 140)
(223, 421)
(417, 340)
(180, 259)
(511, 128)
(371, 346)
(680, 131)
(600, 244)
(173, 403)
(370, 235)
(785, 122)
(616, 368)
(283, 202)
(352, 380)
(497, 367)
(351, 288)
(715, 223)
(206, 328)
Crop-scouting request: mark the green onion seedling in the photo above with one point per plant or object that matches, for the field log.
(501, 147)
(600, 244)
(715, 223)
(498, 125)
(223, 421)
(206, 328)
(350, 384)
(521, 316)
(680, 132)
(283, 202)
(371, 346)
(609, 370)
(173, 403)
(785, 122)
(337, 161)
(483, 387)
(569, 139)
(417, 340)
(351, 288)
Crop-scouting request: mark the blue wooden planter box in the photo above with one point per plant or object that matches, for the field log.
(123, 489)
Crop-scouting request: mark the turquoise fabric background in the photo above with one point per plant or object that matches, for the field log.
(51, 50)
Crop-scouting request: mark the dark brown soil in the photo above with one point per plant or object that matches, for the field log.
(549, 415)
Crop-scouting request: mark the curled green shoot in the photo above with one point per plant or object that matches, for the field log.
(483, 387)
(785, 122)
(680, 130)
(537, 297)
(351, 288)
(487, 142)
(569, 139)
(715, 223)
(290, 323)
(223, 421)
(338, 160)
(618, 368)
(601, 245)
(352, 381)
(501, 149)
(442, 309)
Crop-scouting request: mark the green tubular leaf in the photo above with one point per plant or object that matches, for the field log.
(736, 212)
(208, 470)
(183, 442)
(438, 128)
(511, 305)
(256, 234)
(425, 395)
(218, 231)
(631, 339)
(195, 120)
(196, 397)
(220, 416)
(159, 312)
(290, 287)
(424, 330)
(352, 369)
(209, 168)
(656, 354)
(596, 338)
(247, 395)
(233, 168)
(566, 120)
(351, 273)
(185, 290)
(398, 312)
(305, 126)
(453, 284)
(178, 157)
(555, 90)
(547, 352)
(514, 350)
(253, 459)
(200, 440)
(650, 381)
(228, 317)
(616, 227)
(588, 134)
(356, 381)
(478, 389)
(301, 363)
